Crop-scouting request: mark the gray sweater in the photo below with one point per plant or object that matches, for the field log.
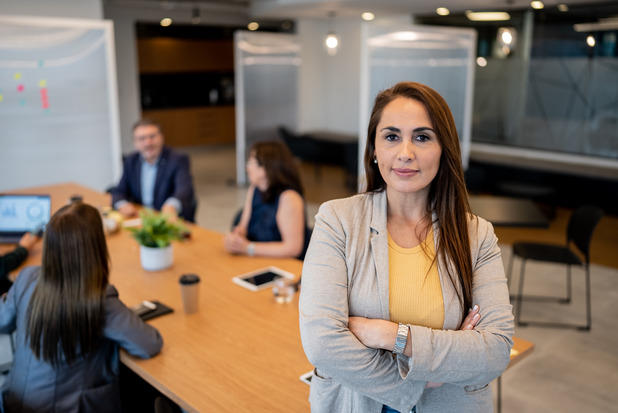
(345, 273)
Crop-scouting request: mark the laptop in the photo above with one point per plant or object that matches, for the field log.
(21, 213)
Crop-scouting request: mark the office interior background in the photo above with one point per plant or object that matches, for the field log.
(544, 125)
(545, 112)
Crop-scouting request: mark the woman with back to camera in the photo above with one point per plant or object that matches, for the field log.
(69, 323)
(273, 221)
(396, 279)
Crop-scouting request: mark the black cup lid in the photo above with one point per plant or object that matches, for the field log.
(189, 279)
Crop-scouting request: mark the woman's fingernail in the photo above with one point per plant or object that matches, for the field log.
(475, 308)
(476, 316)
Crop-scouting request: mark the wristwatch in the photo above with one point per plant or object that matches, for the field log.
(402, 339)
(251, 249)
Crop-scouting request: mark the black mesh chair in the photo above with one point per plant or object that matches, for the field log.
(302, 148)
(581, 226)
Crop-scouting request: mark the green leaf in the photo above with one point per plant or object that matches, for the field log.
(156, 231)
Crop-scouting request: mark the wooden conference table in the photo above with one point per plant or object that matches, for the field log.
(240, 352)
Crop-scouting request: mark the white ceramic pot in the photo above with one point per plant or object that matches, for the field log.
(155, 259)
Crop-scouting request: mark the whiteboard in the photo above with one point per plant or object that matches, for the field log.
(58, 103)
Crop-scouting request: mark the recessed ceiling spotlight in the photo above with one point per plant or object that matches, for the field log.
(442, 11)
(166, 21)
(537, 5)
(563, 7)
(481, 61)
(253, 26)
(368, 16)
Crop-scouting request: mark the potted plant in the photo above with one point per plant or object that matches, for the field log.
(155, 237)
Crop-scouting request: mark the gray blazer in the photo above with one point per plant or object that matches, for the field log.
(345, 273)
(90, 384)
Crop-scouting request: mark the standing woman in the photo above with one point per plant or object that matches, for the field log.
(69, 323)
(272, 222)
(394, 278)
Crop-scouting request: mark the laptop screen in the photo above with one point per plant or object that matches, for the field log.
(22, 213)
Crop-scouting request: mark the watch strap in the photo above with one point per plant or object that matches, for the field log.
(402, 339)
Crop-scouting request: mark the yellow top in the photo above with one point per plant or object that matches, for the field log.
(415, 293)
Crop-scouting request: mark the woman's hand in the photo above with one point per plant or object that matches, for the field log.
(28, 240)
(235, 243)
(471, 319)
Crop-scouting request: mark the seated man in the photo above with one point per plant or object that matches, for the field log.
(155, 176)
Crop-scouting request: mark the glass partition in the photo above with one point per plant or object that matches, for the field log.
(266, 73)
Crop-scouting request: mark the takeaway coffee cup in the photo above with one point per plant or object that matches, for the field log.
(189, 289)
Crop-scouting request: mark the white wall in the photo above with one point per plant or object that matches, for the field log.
(82, 9)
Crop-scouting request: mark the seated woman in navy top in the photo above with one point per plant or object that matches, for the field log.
(69, 323)
(273, 220)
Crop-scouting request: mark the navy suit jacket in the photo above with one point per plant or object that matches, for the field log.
(173, 180)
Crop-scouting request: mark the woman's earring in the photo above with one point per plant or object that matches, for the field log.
(375, 160)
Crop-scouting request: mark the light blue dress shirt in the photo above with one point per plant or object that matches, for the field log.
(147, 185)
(149, 175)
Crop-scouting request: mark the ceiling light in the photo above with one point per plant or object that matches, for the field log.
(481, 61)
(590, 40)
(442, 11)
(368, 16)
(253, 26)
(601, 25)
(506, 36)
(537, 5)
(166, 21)
(331, 41)
(563, 7)
(488, 16)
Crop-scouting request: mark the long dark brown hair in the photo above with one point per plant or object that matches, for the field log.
(448, 197)
(66, 312)
(281, 170)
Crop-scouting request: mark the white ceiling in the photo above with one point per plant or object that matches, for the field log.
(292, 9)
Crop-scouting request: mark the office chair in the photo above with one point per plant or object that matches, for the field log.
(163, 405)
(580, 228)
(302, 148)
